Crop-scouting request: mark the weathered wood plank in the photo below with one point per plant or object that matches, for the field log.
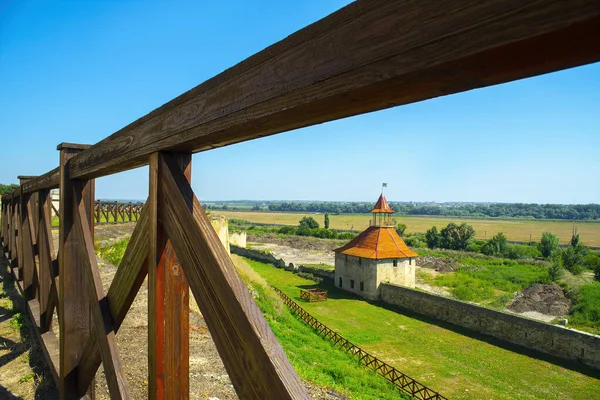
(368, 56)
(125, 285)
(254, 359)
(168, 345)
(103, 325)
(74, 305)
(46, 257)
(50, 180)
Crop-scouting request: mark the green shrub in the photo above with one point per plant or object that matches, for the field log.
(347, 235)
(287, 230)
(520, 251)
(586, 310)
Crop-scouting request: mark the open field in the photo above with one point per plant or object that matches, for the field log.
(459, 366)
(515, 230)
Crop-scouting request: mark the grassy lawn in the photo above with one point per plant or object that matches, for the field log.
(314, 358)
(458, 366)
(325, 267)
(488, 281)
(514, 229)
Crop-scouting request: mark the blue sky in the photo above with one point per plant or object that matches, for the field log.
(77, 71)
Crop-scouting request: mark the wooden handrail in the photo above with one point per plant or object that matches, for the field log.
(370, 55)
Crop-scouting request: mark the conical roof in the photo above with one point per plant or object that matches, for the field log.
(382, 206)
(377, 243)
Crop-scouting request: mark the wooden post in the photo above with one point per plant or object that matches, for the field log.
(26, 250)
(168, 300)
(46, 266)
(73, 303)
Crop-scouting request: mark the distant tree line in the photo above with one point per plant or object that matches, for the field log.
(489, 210)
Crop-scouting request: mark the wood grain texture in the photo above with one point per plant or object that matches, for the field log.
(373, 55)
(46, 257)
(254, 359)
(73, 305)
(103, 324)
(30, 279)
(125, 285)
(50, 180)
(168, 345)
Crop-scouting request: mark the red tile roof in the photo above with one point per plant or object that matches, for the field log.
(377, 243)
(382, 206)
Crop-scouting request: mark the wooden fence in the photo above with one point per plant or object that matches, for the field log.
(402, 381)
(312, 295)
(368, 56)
(113, 212)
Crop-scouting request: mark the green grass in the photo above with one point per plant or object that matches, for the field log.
(438, 357)
(113, 253)
(325, 267)
(490, 282)
(585, 314)
(314, 358)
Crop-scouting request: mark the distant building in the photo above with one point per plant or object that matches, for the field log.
(376, 255)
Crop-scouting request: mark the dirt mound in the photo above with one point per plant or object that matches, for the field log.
(299, 242)
(438, 264)
(547, 299)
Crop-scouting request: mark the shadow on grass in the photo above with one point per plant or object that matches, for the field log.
(334, 292)
(44, 383)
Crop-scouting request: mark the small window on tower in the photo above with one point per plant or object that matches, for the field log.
(359, 261)
(351, 283)
(346, 257)
(362, 286)
(410, 261)
(340, 281)
(395, 263)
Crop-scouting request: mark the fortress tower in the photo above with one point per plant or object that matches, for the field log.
(376, 255)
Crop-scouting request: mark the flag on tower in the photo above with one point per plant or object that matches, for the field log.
(384, 185)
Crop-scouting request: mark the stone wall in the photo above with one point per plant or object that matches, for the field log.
(357, 275)
(363, 276)
(268, 258)
(237, 238)
(550, 339)
(221, 227)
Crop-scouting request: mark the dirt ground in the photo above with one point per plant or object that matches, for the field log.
(24, 374)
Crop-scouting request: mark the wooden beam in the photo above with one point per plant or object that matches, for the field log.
(73, 305)
(46, 258)
(103, 324)
(254, 359)
(125, 285)
(168, 296)
(368, 56)
(50, 180)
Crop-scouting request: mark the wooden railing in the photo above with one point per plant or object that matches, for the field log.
(368, 56)
(399, 379)
(312, 295)
(113, 212)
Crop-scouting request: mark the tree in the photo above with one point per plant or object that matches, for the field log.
(400, 228)
(326, 221)
(308, 222)
(432, 237)
(548, 245)
(555, 270)
(573, 256)
(456, 237)
(256, 207)
(496, 245)
(4, 189)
